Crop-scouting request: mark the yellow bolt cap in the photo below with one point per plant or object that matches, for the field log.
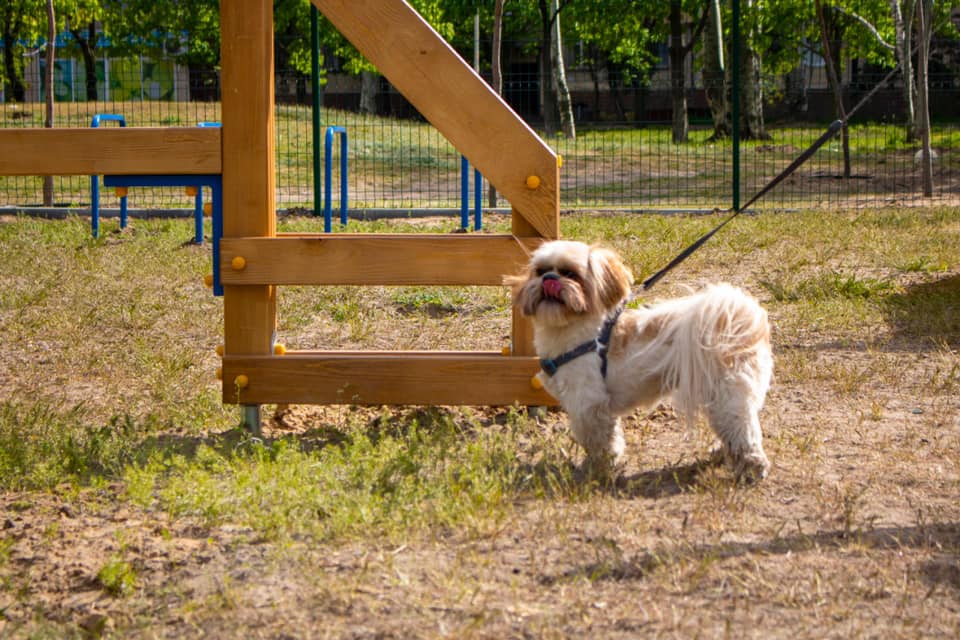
(559, 160)
(533, 182)
(536, 383)
(219, 373)
(208, 209)
(279, 349)
(220, 350)
(238, 263)
(190, 191)
(121, 192)
(241, 381)
(208, 280)
(506, 350)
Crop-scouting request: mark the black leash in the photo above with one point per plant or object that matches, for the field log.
(601, 343)
(831, 131)
(834, 128)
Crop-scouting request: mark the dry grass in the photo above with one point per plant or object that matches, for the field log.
(134, 509)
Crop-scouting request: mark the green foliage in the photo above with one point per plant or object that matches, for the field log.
(825, 286)
(190, 31)
(426, 471)
(117, 577)
(41, 447)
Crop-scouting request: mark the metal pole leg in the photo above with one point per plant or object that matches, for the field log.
(251, 419)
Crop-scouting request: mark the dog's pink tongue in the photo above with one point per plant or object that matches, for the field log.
(552, 288)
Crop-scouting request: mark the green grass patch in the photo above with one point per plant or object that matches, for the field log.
(427, 472)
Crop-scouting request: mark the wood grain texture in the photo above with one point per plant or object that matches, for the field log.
(249, 206)
(434, 378)
(521, 331)
(119, 151)
(446, 91)
(373, 259)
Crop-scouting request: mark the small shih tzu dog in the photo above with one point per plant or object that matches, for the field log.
(709, 351)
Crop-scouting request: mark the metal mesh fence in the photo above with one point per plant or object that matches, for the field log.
(401, 162)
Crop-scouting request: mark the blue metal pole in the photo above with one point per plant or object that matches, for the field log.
(95, 180)
(123, 212)
(328, 177)
(95, 205)
(327, 174)
(464, 193)
(343, 177)
(198, 216)
(198, 199)
(477, 200)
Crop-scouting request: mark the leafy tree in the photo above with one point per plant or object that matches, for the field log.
(187, 32)
(335, 47)
(80, 19)
(20, 22)
(624, 48)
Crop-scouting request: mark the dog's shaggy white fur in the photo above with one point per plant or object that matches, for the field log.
(709, 351)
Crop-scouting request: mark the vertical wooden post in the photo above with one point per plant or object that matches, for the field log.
(521, 333)
(249, 207)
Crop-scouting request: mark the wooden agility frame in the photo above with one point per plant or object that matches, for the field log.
(453, 98)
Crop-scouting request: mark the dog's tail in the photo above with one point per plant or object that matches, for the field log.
(720, 336)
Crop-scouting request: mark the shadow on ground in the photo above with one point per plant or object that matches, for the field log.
(926, 311)
(942, 570)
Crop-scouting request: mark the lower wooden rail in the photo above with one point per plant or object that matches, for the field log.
(383, 377)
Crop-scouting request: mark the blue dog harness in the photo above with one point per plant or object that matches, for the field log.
(600, 345)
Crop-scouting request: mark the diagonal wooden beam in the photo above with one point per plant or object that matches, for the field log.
(446, 91)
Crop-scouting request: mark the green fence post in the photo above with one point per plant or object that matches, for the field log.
(735, 107)
(315, 83)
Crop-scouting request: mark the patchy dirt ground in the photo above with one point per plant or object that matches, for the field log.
(855, 533)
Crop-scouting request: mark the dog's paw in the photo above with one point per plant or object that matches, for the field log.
(747, 468)
(603, 469)
(751, 468)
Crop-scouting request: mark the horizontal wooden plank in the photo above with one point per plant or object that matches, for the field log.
(373, 378)
(373, 259)
(116, 150)
(457, 101)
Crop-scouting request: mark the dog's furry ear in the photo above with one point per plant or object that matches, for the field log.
(611, 277)
(522, 298)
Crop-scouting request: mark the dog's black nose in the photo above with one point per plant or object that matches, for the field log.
(551, 276)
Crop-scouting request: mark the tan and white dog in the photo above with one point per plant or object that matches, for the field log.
(709, 351)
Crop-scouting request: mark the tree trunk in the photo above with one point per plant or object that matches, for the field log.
(559, 78)
(88, 47)
(678, 89)
(751, 94)
(795, 92)
(496, 74)
(48, 84)
(369, 88)
(12, 61)
(714, 80)
(902, 21)
(551, 121)
(833, 78)
(924, 32)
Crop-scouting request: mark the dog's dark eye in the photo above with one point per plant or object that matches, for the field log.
(567, 273)
(543, 270)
